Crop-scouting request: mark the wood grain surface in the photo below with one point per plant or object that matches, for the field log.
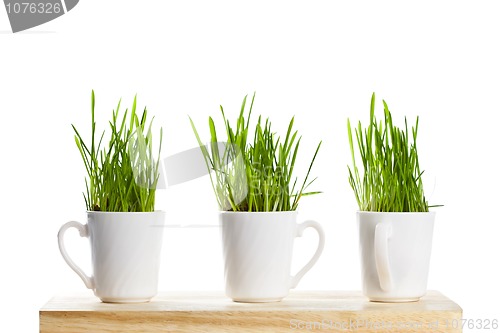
(301, 311)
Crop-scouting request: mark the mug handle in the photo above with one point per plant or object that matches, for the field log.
(321, 244)
(83, 230)
(383, 232)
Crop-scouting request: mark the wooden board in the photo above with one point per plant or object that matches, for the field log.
(301, 311)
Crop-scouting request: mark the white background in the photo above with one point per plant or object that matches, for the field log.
(317, 60)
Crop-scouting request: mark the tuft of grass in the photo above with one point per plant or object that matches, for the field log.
(391, 179)
(253, 172)
(121, 177)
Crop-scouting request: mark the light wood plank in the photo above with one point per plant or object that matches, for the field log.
(301, 311)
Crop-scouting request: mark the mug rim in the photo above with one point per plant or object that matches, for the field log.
(366, 212)
(122, 213)
(227, 212)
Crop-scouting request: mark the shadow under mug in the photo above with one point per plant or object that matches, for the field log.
(125, 249)
(257, 248)
(395, 254)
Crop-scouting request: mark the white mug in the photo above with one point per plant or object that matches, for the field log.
(125, 250)
(395, 254)
(258, 250)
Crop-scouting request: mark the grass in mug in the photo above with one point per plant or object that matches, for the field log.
(254, 175)
(123, 176)
(392, 180)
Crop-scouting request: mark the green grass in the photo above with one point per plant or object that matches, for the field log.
(391, 180)
(253, 172)
(121, 177)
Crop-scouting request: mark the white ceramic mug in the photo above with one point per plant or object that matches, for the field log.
(258, 250)
(395, 254)
(125, 250)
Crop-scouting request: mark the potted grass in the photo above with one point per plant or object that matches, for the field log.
(258, 196)
(123, 228)
(395, 225)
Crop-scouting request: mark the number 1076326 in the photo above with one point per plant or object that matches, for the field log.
(472, 324)
(34, 8)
